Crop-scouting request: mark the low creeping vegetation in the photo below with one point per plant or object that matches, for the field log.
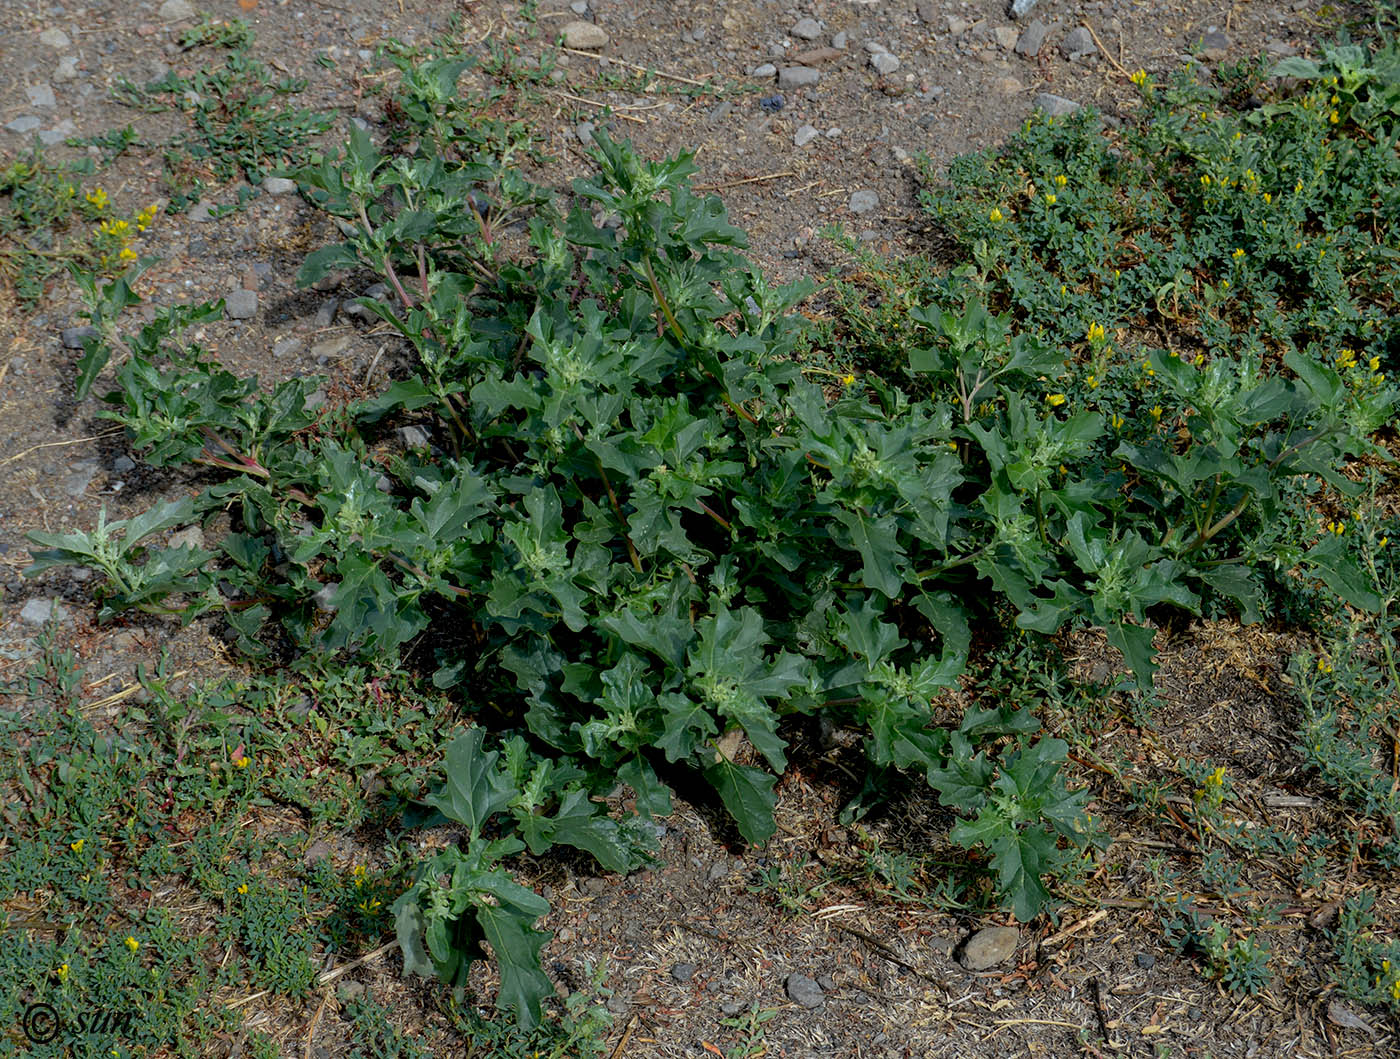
(647, 504)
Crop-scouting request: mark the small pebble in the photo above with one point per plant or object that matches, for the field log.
(40, 95)
(764, 70)
(805, 135)
(23, 124)
(586, 36)
(176, 10)
(72, 337)
(772, 104)
(1146, 960)
(241, 304)
(683, 972)
(807, 29)
(39, 611)
(276, 185)
(798, 77)
(804, 991)
(989, 947)
(863, 202)
(55, 38)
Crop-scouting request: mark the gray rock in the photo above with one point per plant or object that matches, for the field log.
(957, 26)
(731, 1007)
(584, 35)
(40, 95)
(619, 1004)
(1032, 39)
(199, 213)
(1145, 960)
(189, 537)
(23, 124)
(802, 990)
(176, 10)
(1006, 36)
(798, 77)
(833, 132)
(579, 7)
(1280, 48)
(584, 130)
(325, 314)
(1077, 44)
(284, 346)
(1021, 8)
(325, 598)
(764, 70)
(315, 399)
(1214, 46)
(59, 133)
(276, 185)
(122, 464)
(807, 29)
(241, 304)
(72, 337)
(39, 611)
(683, 972)
(1053, 105)
(840, 40)
(805, 135)
(720, 112)
(884, 63)
(80, 476)
(863, 201)
(989, 947)
(378, 291)
(66, 70)
(826, 982)
(55, 38)
(413, 437)
(927, 11)
(332, 347)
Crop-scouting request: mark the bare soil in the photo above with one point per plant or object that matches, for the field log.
(1097, 981)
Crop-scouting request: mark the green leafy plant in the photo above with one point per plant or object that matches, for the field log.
(241, 125)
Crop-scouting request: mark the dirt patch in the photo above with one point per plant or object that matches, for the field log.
(702, 939)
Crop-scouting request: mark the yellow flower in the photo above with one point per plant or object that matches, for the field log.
(1200, 359)
(132, 943)
(77, 847)
(1347, 358)
(359, 874)
(1050, 199)
(1268, 198)
(243, 888)
(1205, 181)
(1298, 186)
(98, 198)
(848, 380)
(1139, 77)
(1395, 989)
(1093, 381)
(1217, 777)
(63, 973)
(1334, 117)
(1224, 283)
(1061, 180)
(1063, 288)
(127, 254)
(1157, 412)
(1382, 542)
(995, 215)
(1055, 399)
(242, 762)
(1237, 254)
(1337, 527)
(1095, 333)
(1116, 422)
(1324, 666)
(1374, 363)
